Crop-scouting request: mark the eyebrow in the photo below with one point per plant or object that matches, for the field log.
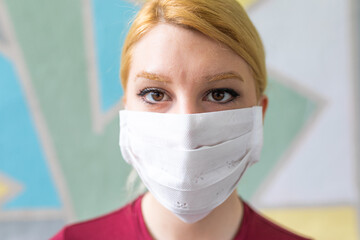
(152, 76)
(224, 75)
(211, 78)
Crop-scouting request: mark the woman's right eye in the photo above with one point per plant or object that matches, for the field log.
(153, 95)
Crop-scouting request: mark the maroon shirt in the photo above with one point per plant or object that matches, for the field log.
(128, 223)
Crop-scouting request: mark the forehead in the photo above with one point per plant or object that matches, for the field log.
(170, 49)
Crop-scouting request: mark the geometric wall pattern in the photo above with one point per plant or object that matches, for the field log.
(60, 94)
(313, 189)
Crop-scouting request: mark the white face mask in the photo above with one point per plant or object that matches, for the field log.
(191, 163)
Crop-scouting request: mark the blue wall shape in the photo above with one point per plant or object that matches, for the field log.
(21, 155)
(112, 20)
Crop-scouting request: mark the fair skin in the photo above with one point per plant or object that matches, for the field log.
(177, 70)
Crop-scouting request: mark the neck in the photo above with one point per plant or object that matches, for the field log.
(222, 223)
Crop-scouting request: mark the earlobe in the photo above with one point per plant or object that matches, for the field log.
(263, 101)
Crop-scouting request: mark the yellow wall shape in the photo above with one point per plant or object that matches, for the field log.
(3, 190)
(328, 223)
(247, 3)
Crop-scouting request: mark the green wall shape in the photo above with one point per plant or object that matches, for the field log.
(51, 36)
(287, 114)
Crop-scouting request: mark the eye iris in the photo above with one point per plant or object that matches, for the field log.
(157, 96)
(218, 95)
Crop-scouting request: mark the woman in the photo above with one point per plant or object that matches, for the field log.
(194, 77)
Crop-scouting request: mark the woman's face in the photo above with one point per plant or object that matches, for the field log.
(176, 70)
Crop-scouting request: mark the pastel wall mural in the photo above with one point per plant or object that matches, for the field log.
(60, 94)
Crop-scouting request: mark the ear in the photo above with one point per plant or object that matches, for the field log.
(263, 101)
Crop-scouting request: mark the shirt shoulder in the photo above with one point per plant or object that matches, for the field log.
(120, 224)
(255, 226)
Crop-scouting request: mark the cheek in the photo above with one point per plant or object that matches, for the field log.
(251, 98)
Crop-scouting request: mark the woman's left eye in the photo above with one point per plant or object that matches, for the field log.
(220, 95)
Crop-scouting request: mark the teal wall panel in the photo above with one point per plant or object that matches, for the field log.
(21, 154)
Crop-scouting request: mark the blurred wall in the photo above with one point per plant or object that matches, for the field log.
(60, 94)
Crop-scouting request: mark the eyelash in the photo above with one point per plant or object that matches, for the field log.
(145, 91)
(230, 91)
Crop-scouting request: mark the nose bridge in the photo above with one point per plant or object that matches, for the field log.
(188, 106)
(187, 103)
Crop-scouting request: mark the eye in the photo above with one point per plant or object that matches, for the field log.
(153, 95)
(221, 95)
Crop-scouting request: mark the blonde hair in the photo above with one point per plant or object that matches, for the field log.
(223, 20)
